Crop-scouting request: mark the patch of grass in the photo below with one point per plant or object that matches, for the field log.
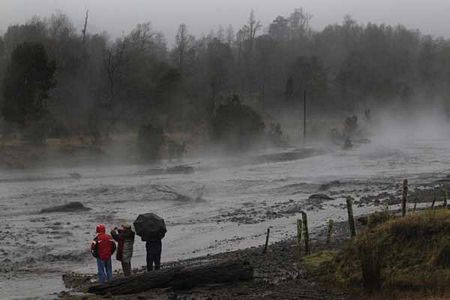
(316, 261)
(412, 252)
(378, 218)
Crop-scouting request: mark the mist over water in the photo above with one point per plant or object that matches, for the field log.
(225, 202)
(230, 109)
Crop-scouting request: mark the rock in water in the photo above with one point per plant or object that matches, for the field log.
(69, 207)
(180, 170)
(75, 175)
(320, 197)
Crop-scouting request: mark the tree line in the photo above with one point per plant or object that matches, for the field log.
(57, 81)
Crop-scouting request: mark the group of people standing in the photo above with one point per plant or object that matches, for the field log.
(104, 245)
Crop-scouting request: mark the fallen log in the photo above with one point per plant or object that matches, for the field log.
(178, 278)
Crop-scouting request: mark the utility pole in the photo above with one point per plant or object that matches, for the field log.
(304, 115)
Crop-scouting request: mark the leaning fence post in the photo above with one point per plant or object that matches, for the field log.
(351, 219)
(434, 198)
(330, 230)
(267, 241)
(405, 196)
(305, 232)
(299, 237)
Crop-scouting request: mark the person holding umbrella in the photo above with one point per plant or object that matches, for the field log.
(152, 229)
(154, 249)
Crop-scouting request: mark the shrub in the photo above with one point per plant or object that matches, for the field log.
(150, 141)
(237, 125)
(276, 136)
(369, 255)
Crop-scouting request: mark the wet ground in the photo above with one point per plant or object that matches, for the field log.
(278, 274)
(211, 206)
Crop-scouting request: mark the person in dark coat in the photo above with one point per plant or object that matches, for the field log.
(124, 237)
(153, 245)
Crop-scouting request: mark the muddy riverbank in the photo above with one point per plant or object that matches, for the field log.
(278, 274)
(284, 272)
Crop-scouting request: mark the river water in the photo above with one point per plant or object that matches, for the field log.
(225, 204)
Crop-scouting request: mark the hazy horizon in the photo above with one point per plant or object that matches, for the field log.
(201, 16)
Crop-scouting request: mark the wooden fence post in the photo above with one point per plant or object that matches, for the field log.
(434, 198)
(330, 230)
(305, 232)
(267, 241)
(405, 196)
(445, 195)
(299, 237)
(351, 219)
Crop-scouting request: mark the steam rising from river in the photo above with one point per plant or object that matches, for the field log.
(240, 197)
(405, 124)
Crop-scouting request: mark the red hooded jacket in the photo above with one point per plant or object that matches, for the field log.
(104, 246)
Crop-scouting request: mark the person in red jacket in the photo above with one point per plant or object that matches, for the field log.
(102, 248)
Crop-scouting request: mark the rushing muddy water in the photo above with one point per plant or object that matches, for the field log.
(224, 204)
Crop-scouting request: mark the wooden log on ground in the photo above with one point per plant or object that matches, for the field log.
(178, 278)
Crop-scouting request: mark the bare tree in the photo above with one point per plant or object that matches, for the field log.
(183, 42)
(299, 23)
(114, 59)
(85, 26)
(250, 30)
(230, 37)
(142, 36)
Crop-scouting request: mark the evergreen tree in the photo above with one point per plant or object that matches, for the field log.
(28, 79)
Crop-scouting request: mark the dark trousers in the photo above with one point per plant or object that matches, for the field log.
(153, 254)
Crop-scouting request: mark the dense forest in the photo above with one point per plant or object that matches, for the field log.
(57, 81)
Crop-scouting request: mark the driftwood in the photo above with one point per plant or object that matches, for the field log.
(178, 278)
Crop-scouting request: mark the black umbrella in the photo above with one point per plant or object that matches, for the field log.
(150, 227)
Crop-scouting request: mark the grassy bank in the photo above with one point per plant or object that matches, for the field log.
(407, 255)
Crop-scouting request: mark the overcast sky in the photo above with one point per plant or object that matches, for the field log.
(119, 16)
